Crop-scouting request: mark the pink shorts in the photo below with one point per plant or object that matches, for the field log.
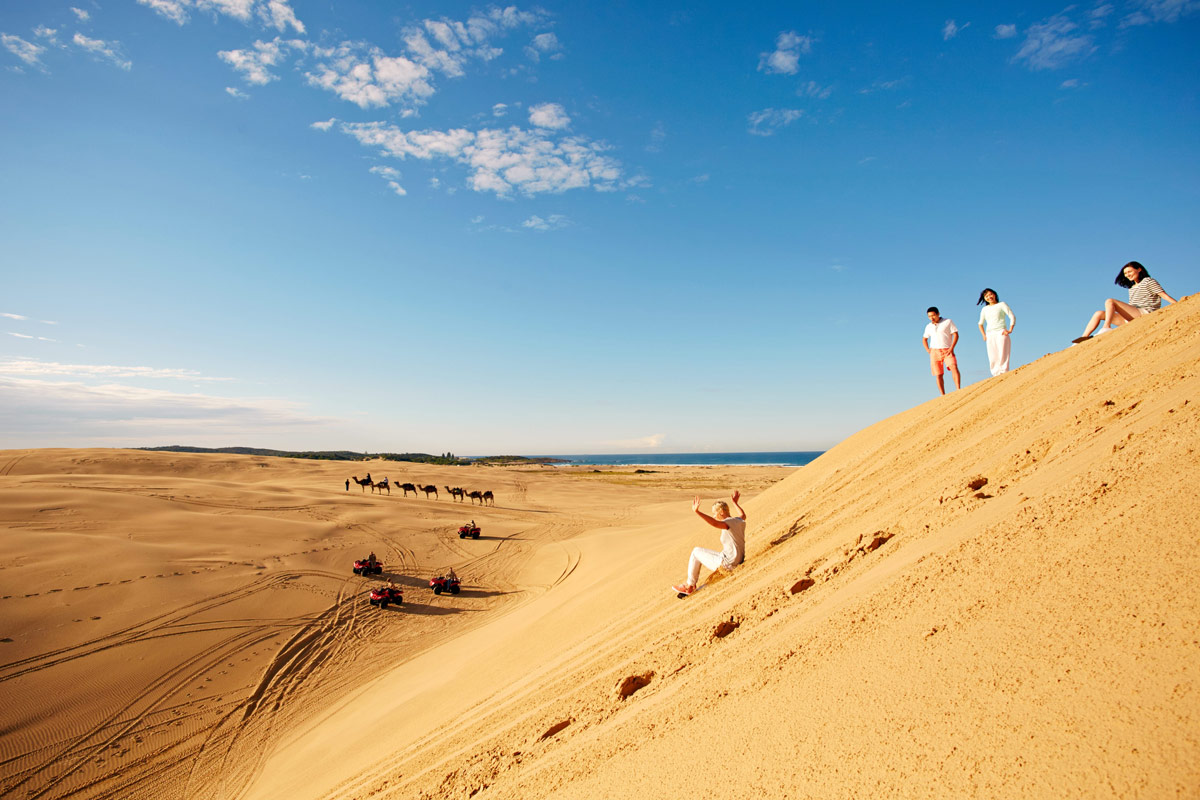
(941, 359)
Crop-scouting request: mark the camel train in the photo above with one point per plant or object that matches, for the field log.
(456, 493)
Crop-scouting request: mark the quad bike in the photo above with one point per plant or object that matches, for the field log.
(382, 595)
(445, 583)
(469, 530)
(364, 567)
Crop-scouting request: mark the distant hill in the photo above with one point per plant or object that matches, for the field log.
(350, 455)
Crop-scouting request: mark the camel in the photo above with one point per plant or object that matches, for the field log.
(456, 493)
(488, 497)
(363, 482)
(383, 484)
(475, 496)
(408, 487)
(429, 490)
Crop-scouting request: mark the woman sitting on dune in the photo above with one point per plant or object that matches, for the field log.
(733, 543)
(1145, 295)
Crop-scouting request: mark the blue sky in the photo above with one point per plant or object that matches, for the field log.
(552, 229)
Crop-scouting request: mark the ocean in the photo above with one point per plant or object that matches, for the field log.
(789, 458)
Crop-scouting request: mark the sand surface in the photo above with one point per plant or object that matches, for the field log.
(188, 625)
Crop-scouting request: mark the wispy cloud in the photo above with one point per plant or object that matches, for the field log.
(552, 223)
(785, 58)
(255, 63)
(549, 115)
(233, 91)
(28, 52)
(13, 316)
(883, 86)
(109, 51)
(31, 367)
(1098, 16)
(658, 135)
(323, 125)
(39, 413)
(447, 46)
(1005, 31)
(277, 14)
(952, 29)
(503, 161)
(19, 335)
(814, 90)
(392, 176)
(499, 109)
(1151, 11)
(80, 14)
(544, 44)
(640, 443)
(1054, 43)
(769, 120)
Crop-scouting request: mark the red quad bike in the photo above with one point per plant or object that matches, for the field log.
(470, 529)
(365, 567)
(382, 595)
(443, 583)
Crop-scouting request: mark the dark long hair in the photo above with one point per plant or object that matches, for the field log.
(981, 301)
(1124, 282)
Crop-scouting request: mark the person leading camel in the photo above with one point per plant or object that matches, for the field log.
(733, 543)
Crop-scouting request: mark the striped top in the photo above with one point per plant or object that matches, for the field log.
(1145, 294)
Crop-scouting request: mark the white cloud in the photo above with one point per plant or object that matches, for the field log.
(447, 45)
(28, 52)
(544, 44)
(110, 51)
(769, 120)
(643, 442)
(325, 125)
(367, 77)
(29, 367)
(476, 220)
(552, 223)
(235, 92)
(952, 29)
(13, 316)
(1006, 31)
(255, 64)
(549, 115)
(277, 14)
(392, 176)
(883, 86)
(1150, 11)
(1071, 83)
(82, 15)
(1054, 43)
(499, 110)
(39, 413)
(1098, 14)
(502, 161)
(814, 90)
(785, 58)
(20, 335)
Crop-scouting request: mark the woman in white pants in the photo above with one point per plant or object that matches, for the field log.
(733, 543)
(996, 323)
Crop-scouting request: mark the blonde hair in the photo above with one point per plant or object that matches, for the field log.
(722, 505)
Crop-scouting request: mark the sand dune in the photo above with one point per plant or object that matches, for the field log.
(991, 595)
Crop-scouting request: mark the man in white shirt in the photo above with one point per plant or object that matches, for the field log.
(939, 339)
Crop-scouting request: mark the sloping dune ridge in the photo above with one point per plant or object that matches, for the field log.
(993, 594)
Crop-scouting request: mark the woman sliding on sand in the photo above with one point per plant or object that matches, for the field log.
(733, 543)
(1145, 295)
(1000, 321)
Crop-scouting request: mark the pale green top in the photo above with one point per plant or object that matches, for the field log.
(994, 315)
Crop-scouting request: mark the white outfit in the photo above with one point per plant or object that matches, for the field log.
(733, 542)
(941, 335)
(995, 319)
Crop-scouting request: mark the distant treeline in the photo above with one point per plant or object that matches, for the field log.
(349, 455)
